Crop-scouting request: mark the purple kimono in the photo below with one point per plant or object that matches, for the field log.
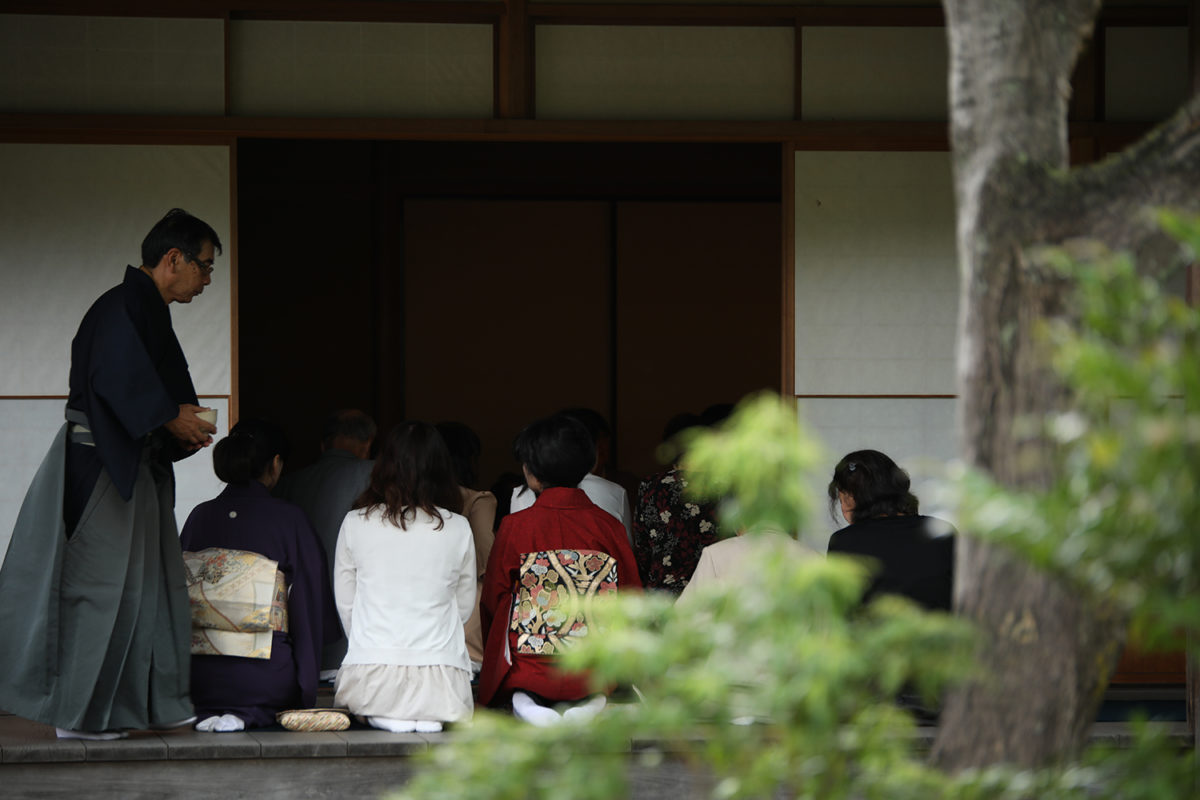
(249, 518)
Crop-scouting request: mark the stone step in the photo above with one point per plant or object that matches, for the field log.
(267, 764)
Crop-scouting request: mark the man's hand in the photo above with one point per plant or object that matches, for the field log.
(191, 431)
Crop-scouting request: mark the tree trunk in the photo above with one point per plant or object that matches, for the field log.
(1047, 650)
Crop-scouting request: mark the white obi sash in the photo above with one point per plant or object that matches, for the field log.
(238, 599)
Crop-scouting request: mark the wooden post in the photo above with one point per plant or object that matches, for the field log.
(514, 62)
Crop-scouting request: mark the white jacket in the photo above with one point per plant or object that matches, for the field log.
(404, 595)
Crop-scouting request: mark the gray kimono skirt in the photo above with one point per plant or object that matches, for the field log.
(95, 628)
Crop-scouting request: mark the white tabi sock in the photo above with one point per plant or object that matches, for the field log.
(526, 708)
(428, 726)
(586, 710)
(228, 723)
(393, 725)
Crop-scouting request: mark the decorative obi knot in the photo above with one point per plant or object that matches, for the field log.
(238, 599)
(552, 602)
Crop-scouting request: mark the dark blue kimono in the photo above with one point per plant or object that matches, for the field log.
(255, 689)
(128, 378)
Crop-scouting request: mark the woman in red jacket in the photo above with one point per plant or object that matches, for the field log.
(562, 546)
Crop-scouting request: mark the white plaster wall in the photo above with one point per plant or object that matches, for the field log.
(918, 433)
(865, 73)
(27, 428)
(876, 309)
(664, 72)
(876, 274)
(372, 69)
(111, 65)
(71, 218)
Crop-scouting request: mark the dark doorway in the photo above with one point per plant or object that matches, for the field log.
(496, 282)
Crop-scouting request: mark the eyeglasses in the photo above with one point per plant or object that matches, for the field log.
(205, 268)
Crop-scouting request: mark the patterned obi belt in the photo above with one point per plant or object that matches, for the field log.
(553, 598)
(238, 600)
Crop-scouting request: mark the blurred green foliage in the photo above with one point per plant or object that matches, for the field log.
(788, 650)
(791, 650)
(755, 466)
(779, 682)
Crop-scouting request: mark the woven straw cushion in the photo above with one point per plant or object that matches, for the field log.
(314, 719)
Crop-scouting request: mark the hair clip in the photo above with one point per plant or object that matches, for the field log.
(851, 466)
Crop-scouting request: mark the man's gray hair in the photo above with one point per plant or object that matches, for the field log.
(349, 423)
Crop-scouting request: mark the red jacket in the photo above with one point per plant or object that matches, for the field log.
(561, 519)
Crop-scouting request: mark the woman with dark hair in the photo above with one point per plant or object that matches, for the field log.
(404, 578)
(479, 507)
(262, 606)
(913, 555)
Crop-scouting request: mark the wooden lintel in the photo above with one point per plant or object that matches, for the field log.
(809, 135)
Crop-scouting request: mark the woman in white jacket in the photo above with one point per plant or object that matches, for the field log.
(404, 581)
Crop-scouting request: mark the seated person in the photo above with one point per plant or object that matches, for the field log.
(404, 577)
(562, 545)
(242, 541)
(327, 489)
(732, 560)
(671, 528)
(608, 495)
(479, 507)
(734, 563)
(913, 555)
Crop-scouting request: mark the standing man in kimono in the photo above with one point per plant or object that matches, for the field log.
(94, 616)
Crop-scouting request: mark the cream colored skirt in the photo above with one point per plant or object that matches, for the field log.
(435, 693)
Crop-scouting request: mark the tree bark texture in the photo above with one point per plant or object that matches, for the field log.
(1048, 649)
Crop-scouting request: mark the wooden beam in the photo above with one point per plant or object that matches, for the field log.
(787, 206)
(817, 135)
(732, 15)
(1193, 270)
(514, 68)
(715, 15)
(797, 69)
(1144, 16)
(322, 10)
(572, 13)
(1100, 48)
(134, 128)
(231, 250)
(227, 65)
(1087, 85)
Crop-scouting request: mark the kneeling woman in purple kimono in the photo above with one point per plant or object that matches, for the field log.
(261, 601)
